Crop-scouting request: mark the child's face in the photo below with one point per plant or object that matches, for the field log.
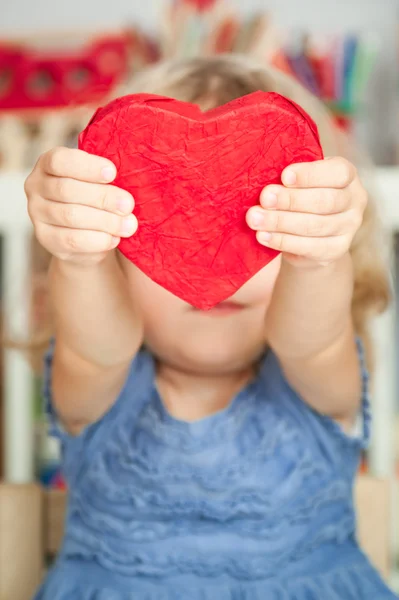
(225, 339)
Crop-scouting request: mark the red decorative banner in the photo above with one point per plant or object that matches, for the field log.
(201, 5)
(32, 78)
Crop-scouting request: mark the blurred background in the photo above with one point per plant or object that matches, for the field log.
(58, 61)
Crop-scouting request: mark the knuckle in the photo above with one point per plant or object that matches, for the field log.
(303, 175)
(346, 171)
(331, 202)
(104, 201)
(283, 198)
(69, 215)
(291, 200)
(281, 242)
(53, 159)
(321, 204)
(31, 208)
(103, 242)
(314, 227)
(28, 185)
(60, 189)
(357, 220)
(73, 241)
(273, 221)
(308, 178)
(40, 234)
(118, 226)
(327, 202)
(111, 225)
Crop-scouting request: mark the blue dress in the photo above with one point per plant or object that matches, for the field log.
(252, 503)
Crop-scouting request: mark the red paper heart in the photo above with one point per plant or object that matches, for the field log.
(194, 175)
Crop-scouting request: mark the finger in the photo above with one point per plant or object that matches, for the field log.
(77, 164)
(72, 241)
(105, 197)
(327, 201)
(301, 224)
(322, 249)
(75, 216)
(334, 172)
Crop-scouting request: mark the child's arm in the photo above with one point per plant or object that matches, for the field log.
(309, 327)
(309, 322)
(97, 336)
(79, 220)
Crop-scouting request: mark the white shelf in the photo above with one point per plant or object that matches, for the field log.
(18, 419)
(13, 212)
(387, 187)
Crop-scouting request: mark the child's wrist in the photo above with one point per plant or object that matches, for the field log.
(300, 263)
(73, 268)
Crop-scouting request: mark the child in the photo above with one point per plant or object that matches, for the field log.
(211, 455)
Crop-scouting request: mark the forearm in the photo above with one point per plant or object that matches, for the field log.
(97, 336)
(93, 313)
(310, 308)
(310, 329)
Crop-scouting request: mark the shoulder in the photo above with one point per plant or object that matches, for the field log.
(321, 430)
(136, 392)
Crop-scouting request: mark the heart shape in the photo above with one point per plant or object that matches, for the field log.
(193, 176)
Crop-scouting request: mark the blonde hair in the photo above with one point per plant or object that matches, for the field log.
(211, 82)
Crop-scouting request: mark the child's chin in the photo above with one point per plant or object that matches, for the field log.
(218, 361)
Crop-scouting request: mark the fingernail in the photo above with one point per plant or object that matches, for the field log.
(289, 177)
(108, 173)
(256, 218)
(264, 236)
(128, 225)
(124, 204)
(269, 200)
(115, 241)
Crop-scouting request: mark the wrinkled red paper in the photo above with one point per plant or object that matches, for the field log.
(193, 176)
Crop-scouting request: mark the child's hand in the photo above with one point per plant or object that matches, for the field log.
(313, 217)
(78, 217)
